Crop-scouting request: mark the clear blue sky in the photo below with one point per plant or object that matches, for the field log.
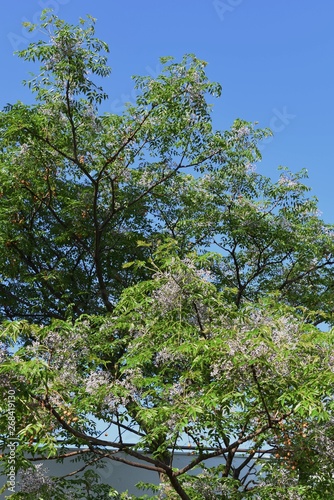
(274, 59)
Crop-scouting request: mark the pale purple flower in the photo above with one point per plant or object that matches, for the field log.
(35, 480)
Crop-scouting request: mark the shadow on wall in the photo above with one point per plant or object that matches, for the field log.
(119, 476)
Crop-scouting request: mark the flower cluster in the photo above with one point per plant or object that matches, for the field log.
(169, 295)
(242, 132)
(3, 352)
(269, 336)
(174, 285)
(222, 369)
(166, 356)
(287, 181)
(95, 381)
(325, 439)
(117, 393)
(6, 379)
(35, 480)
(64, 361)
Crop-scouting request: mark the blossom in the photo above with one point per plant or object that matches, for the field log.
(167, 356)
(242, 132)
(3, 352)
(35, 480)
(95, 381)
(250, 167)
(222, 369)
(287, 181)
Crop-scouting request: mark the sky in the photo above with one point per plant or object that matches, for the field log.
(273, 58)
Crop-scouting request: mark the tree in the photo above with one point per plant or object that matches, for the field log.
(154, 281)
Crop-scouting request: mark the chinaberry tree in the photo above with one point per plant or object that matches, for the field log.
(153, 280)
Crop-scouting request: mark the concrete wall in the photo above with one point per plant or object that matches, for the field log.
(120, 476)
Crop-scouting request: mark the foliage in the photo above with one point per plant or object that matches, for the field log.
(156, 286)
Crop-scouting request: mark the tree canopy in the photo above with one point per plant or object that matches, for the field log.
(153, 280)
